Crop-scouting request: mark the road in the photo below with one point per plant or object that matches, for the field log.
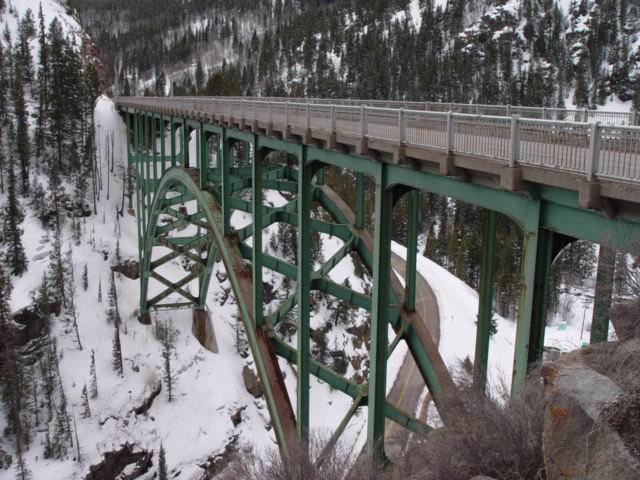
(409, 385)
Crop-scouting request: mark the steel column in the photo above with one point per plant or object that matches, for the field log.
(527, 282)
(225, 183)
(379, 315)
(545, 256)
(412, 252)
(602, 296)
(303, 293)
(359, 219)
(173, 143)
(485, 301)
(256, 265)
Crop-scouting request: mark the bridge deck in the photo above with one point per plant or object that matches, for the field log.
(510, 149)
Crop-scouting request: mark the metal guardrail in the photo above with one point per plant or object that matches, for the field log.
(591, 148)
(540, 113)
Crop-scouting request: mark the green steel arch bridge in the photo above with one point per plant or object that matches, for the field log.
(560, 175)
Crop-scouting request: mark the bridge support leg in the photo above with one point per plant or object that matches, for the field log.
(173, 143)
(412, 251)
(130, 159)
(527, 286)
(185, 143)
(485, 310)
(602, 297)
(163, 153)
(256, 265)
(546, 254)
(359, 213)
(203, 156)
(379, 316)
(303, 294)
(225, 187)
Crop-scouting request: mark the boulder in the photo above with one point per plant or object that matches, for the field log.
(578, 442)
(251, 382)
(128, 268)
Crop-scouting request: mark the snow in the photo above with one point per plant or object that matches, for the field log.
(458, 306)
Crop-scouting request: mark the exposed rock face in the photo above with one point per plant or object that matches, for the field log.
(251, 382)
(128, 268)
(578, 441)
(202, 329)
(115, 462)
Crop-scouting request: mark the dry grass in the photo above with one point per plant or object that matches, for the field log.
(498, 437)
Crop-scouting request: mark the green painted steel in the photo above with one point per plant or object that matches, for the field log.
(304, 293)
(602, 296)
(546, 214)
(527, 282)
(225, 188)
(412, 252)
(179, 176)
(545, 257)
(379, 315)
(359, 223)
(256, 264)
(485, 301)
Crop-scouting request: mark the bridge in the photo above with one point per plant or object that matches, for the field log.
(559, 180)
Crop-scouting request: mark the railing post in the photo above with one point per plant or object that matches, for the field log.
(308, 118)
(269, 112)
(477, 109)
(514, 142)
(508, 110)
(333, 118)
(363, 121)
(401, 130)
(286, 114)
(594, 151)
(255, 114)
(450, 132)
(585, 115)
(634, 118)
(544, 113)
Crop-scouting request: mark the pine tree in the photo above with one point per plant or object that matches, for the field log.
(22, 128)
(116, 351)
(85, 278)
(166, 335)
(99, 290)
(93, 376)
(57, 266)
(163, 473)
(70, 293)
(113, 313)
(86, 410)
(15, 255)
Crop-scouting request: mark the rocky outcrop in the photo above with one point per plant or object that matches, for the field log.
(202, 329)
(128, 268)
(251, 382)
(115, 463)
(579, 440)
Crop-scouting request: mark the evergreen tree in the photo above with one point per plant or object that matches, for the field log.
(166, 336)
(14, 256)
(21, 128)
(85, 278)
(116, 350)
(93, 376)
(86, 410)
(72, 314)
(163, 473)
(113, 313)
(99, 290)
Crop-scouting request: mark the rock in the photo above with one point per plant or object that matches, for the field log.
(251, 382)
(128, 268)
(236, 418)
(117, 461)
(202, 329)
(577, 442)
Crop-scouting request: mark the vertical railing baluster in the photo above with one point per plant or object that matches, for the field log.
(514, 142)
(450, 131)
(594, 151)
